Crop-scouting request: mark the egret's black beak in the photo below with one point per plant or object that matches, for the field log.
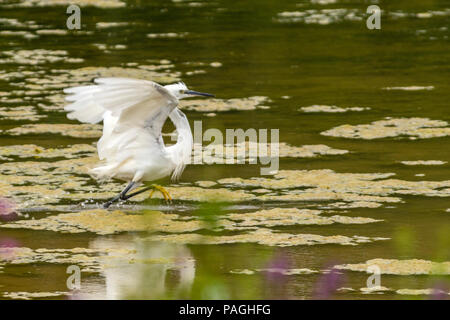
(195, 93)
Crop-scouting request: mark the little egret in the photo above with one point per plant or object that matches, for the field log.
(133, 113)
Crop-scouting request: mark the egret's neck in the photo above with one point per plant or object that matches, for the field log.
(182, 150)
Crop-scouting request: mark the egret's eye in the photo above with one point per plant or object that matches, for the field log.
(182, 91)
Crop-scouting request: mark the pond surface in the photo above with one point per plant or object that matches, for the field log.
(364, 179)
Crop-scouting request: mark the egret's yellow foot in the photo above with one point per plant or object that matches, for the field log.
(163, 191)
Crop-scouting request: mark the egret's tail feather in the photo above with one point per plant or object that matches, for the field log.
(104, 172)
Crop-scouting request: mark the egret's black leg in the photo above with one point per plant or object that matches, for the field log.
(120, 196)
(136, 193)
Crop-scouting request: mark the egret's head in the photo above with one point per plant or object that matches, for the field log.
(180, 91)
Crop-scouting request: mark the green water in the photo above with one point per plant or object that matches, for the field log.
(340, 63)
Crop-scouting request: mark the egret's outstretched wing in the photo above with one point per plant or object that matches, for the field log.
(89, 103)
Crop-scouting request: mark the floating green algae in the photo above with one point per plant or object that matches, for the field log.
(101, 221)
(413, 128)
(265, 237)
(331, 109)
(82, 3)
(400, 267)
(34, 151)
(220, 105)
(71, 130)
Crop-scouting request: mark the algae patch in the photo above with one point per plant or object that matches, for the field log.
(265, 237)
(103, 222)
(249, 151)
(285, 272)
(400, 267)
(413, 128)
(71, 130)
(34, 151)
(20, 113)
(220, 105)
(331, 109)
(22, 295)
(410, 88)
(82, 3)
(424, 163)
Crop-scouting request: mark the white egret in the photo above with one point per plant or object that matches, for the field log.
(133, 113)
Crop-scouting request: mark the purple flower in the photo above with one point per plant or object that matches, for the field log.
(440, 291)
(275, 276)
(7, 248)
(328, 283)
(7, 210)
(276, 268)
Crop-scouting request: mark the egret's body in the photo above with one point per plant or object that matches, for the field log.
(133, 113)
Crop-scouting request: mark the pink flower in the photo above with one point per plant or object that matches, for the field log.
(7, 210)
(440, 290)
(328, 283)
(7, 248)
(275, 276)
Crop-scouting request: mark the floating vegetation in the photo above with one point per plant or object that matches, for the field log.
(424, 163)
(34, 151)
(320, 16)
(375, 290)
(67, 179)
(339, 15)
(420, 15)
(220, 105)
(289, 216)
(284, 272)
(167, 35)
(22, 34)
(20, 113)
(108, 25)
(37, 56)
(82, 3)
(70, 130)
(400, 267)
(33, 183)
(52, 32)
(248, 151)
(408, 292)
(104, 222)
(22, 295)
(331, 109)
(410, 88)
(323, 2)
(414, 128)
(107, 48)
(9, 22)
(421, 292)
(326, 185)
(87, 259)
(265, 237)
